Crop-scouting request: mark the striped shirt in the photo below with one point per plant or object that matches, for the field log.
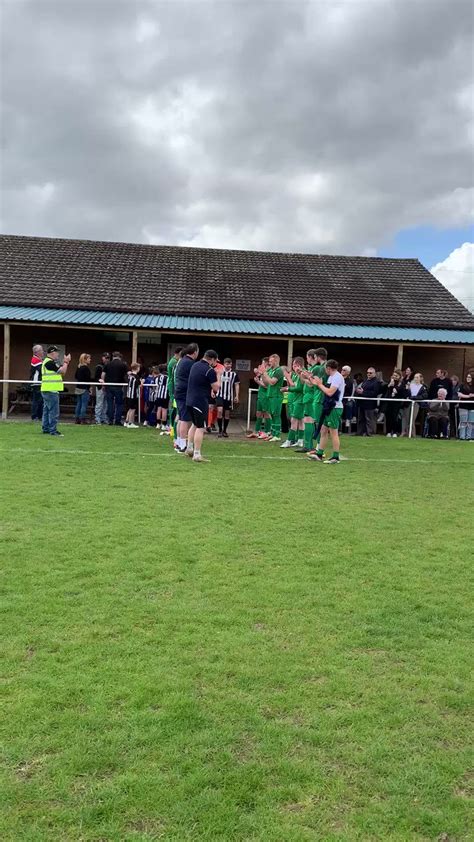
(228, 381)
(133, 382)
(161, 390)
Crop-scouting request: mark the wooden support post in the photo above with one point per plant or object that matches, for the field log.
(290, 352)
(134, 346)
(400, 356)
(6, 369)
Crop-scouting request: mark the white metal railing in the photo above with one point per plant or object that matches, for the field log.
(251, 391)
(378, 399)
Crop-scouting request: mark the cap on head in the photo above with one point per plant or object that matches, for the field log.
(52, 348)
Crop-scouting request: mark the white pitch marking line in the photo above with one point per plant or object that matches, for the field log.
(221, 456)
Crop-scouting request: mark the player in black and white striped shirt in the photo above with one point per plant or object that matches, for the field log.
(227, 397)
(161, 398)
(132, 394)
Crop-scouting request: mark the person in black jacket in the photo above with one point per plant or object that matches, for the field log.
(35, 377)
(440, 381)
(348, 408)
(367, 410)
(396, 388)
(100, 396)
(83, 377)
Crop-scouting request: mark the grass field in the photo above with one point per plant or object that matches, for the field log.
(255, 649)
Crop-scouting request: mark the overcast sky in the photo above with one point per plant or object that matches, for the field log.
(296, 126)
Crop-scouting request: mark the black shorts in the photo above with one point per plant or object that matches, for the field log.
(224, 403)
(198, 415)
(161, 403)
(131, 403)
(183, 410)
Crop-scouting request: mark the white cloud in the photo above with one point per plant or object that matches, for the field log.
(457, 274)
(311, 126)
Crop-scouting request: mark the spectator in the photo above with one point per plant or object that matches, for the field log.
(83, 375)
(438, 416)
(455, 381)
(35, 377)
(408, 374)
(396, 388)
(405, 408)
(370, 388)
(100, 391)
(51, 385)
(149, 396)
(466, 409)
(418, 393)
(348, 405)
(440, 381)
(114, 372)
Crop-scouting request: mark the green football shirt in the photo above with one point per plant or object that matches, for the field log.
(274, 388)
(320, 371)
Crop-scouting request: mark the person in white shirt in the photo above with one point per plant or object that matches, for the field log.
(332, 412)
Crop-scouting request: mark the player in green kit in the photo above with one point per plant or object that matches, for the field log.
(319, 371)
(274, 378)
(172, 363)
(295, 404)
(315, 358)
(263, 418)
(331, 412)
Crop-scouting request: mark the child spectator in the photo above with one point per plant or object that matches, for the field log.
(149, 396)
(133, 390)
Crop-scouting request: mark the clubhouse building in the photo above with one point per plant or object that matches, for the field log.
(144, 300)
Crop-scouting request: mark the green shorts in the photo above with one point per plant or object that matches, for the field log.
(332, 420)
(308, 408)
(296, 410)
(262, 403)
(316, 411)
(274, 406)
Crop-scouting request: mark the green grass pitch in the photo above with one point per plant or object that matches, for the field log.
(259, 648)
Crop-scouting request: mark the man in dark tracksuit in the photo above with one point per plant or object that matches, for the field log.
(367, 410)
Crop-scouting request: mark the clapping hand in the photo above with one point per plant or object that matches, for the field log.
(67, 358)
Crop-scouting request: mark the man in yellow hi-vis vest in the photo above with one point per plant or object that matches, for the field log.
(51, 385)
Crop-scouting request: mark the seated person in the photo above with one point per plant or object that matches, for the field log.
(438, 416)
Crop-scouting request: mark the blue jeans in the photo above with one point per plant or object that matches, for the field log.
(466, 424)
(82, 402)
(114, 404)
(50, 411)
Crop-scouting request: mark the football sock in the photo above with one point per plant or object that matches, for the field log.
(268, 425)
(258, 424)
(219, 424)
(308, 435)
(226, 424)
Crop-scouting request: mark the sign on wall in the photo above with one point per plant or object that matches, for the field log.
(242, 365)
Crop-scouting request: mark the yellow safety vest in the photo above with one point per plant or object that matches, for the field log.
(51, 381)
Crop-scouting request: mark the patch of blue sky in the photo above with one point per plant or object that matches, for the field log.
(429, 244)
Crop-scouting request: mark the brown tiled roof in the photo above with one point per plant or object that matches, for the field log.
(84, 274)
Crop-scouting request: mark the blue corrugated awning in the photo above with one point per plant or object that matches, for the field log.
(144, 321)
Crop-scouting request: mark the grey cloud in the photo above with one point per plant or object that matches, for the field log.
(280, 125)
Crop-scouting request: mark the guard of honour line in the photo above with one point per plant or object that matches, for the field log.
(187, 396)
